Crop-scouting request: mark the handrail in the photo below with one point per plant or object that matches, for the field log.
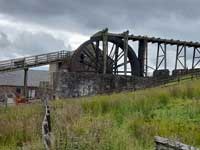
(33, 61)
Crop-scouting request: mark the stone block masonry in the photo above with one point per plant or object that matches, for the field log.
(73, 84)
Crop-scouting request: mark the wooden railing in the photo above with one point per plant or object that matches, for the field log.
(33, 61)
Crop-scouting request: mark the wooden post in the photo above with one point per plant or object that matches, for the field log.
(157, 58)
(143, 57)
(6, 100)
(176, 61)
(105, 49)
(97, 56)
(193, 58)
(116, 57)
(125, 51)
(185, 63)
(165, 56)
(25, 83)
(48, 118)
(179, 57)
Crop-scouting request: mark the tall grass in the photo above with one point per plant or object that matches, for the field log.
(128, 120)
(20, 126)
(124, 121)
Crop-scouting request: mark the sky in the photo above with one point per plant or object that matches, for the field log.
(29, 27)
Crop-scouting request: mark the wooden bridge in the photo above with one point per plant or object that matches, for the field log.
(33, 61)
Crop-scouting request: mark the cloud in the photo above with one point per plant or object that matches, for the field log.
(4, 42)
(28, 43)
(36, 43)
(178, 19)
(91, 15)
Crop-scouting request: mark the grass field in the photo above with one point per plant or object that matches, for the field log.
(124, 121)
(129, 121)
(21, 126)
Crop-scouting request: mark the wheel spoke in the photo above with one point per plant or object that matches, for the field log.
(122, 64)
(89, 64)
(111, 50)
(89, 52)
(92, 59)
(97, 55)
(94, 56)
(93, 46)
(119, 57)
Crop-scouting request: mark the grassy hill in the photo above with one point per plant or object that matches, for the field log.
(129, 121)
(124, 121)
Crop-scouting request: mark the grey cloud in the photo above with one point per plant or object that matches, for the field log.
(4, 41)
(178, 19)
(91, 15)
(27, 43)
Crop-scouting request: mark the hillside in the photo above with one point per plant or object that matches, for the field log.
(129, 120)
(123, 121)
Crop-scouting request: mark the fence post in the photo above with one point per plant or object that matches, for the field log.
(48, 119)
(46, 125)
(6, 100)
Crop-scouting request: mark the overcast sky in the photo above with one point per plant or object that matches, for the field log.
(29, 27)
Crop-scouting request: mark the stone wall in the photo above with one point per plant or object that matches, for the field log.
(168, 144)
(71, 84)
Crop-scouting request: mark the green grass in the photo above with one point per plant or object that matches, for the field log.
(21, 126)
(128, 121)
(123, 121)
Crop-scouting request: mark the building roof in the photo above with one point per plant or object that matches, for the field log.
(16, 78)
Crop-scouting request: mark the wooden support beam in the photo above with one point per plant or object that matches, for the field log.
(193, 58)
(97, 56)
(176, 61)
(25, 82)
(165, 56)
(152, 39)
(181, 56)
(185, 56)
(105, 49)
(143, 57)
(196, 57)
(116, 58)
(125, 51)
(161, 59)
(157, 57)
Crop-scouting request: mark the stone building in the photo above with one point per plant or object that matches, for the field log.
(12, 84)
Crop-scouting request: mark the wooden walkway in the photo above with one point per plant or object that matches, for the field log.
(33, 61)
